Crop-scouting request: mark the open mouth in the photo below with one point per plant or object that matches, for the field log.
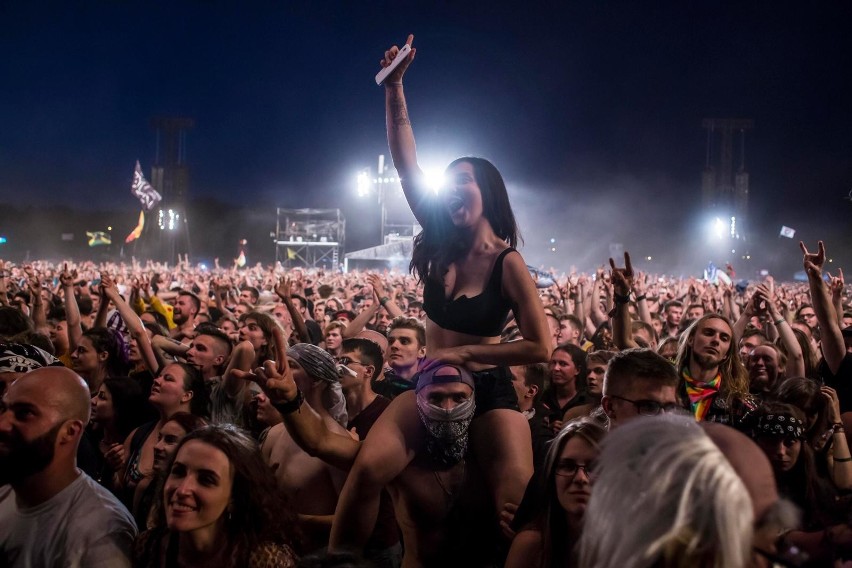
(454, 204)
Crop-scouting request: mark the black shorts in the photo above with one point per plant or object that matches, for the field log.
(494, 390)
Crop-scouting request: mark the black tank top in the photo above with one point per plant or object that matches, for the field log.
(483, 315)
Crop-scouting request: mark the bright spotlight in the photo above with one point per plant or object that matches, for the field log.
(719, 228)
(362, 183)
(434, 179)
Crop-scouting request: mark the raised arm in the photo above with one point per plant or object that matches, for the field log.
(109, 293)
(284, 291)
(72, 310)
(795, 358)
(400, 135)
(39, 314)
(833, 347)
(305, 426)
(622, 285)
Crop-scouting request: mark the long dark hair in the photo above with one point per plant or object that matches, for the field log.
(802, 484)
(552, 520)
(441, 242)
(111, 342)
(258, 513)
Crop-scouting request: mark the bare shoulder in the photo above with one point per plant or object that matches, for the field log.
(525, 550)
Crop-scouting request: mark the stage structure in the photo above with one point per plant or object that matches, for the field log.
(398, 227)
(723, 190)
(170, 176)
(312, 238)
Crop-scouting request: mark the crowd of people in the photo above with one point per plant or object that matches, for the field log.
(459, 415)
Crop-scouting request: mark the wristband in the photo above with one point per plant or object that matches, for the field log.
(779, 321)
(843, 460)
(384, 300)
(290, 406)
(640, 298)
(839, 431)
(837, 426)
(619, 299)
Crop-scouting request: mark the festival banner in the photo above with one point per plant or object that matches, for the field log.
(143, 190)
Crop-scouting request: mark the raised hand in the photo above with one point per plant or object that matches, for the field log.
(813, 263)
(832, 403)
(284, 288)
(837, 283)
(390, 55)
(379, 290)
(67, 278)
(108, 287)
(622, 278)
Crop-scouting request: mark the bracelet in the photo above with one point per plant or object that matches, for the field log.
(843, 460)
(290, 406)
(837, 426)
(619, 299)
(779, 321)
(640, 298)
(384, 300)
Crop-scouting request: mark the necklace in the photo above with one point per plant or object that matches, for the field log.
(449, 496)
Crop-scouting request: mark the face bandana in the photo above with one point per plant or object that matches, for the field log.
(447, 429)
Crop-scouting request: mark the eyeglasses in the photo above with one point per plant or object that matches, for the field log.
(570, 468)
(650, 407)
(346, 361)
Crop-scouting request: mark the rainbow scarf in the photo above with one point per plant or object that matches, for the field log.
(701, 393)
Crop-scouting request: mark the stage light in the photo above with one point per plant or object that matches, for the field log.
(434, 179)
(719, 228)
(362, 183)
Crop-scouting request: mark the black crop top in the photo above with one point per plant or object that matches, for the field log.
(483, 315)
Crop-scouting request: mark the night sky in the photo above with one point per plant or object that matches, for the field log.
(591, 110)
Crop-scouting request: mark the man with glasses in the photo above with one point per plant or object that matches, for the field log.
(638, 382)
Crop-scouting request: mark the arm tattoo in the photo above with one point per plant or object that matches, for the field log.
(399, 114)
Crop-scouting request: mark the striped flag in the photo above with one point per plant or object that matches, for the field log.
(143, 190)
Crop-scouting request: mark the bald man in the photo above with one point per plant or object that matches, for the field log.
(51, 513)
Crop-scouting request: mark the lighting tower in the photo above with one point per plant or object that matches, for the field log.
(724, 191)
(170, 176)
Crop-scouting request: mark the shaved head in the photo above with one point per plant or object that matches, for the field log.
(59, 388)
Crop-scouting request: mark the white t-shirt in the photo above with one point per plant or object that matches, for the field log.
(83, 525)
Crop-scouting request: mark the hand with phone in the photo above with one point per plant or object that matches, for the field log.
(395, 62)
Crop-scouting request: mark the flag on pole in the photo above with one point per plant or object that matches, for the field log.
(291, 254)
(98, 238)
(241, 260)
(143, 190)
(787, 232)
(137, 232)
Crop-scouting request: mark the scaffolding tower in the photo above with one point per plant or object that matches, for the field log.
(312, 238)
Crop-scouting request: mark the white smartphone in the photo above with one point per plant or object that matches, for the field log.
(400, 57)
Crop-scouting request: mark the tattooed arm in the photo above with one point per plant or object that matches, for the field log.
(400, 135)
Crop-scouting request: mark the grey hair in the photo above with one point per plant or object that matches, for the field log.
(666, 496)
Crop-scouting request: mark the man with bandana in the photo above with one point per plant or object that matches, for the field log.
(438, 498)
(311, 485)
(51, 513)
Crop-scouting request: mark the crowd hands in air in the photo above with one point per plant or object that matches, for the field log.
(171, 415)
(268, 370)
